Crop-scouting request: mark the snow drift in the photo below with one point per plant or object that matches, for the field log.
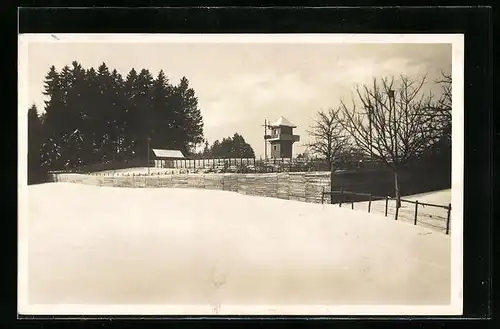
(105, 245)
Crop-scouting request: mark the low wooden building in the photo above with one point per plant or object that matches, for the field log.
(166, 158)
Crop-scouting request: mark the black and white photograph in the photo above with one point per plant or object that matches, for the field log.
(225, 174)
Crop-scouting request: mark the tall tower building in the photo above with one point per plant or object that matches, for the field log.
(282, 138)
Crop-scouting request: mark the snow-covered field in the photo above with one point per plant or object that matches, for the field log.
(105, 245)
(431, 217)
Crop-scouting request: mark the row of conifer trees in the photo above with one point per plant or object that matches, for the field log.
(94, 116)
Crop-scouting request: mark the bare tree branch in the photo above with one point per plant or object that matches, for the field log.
(329, 139)
(397, 121)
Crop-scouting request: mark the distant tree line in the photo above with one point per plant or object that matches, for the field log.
(94, 116)
(229, 147)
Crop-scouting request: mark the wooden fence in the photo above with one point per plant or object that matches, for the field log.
(371, 198)
(305, 187)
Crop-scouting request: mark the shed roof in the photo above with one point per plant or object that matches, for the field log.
(168, 153)
(282, 122)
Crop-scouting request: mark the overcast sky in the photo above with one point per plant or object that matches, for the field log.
(240, 85)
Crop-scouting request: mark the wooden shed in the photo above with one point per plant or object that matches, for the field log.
(166, 158)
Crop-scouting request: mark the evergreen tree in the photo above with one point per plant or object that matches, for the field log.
(104, 108)
(53, 121)
(95, 116)
(63, 117)
(117, 114)
(74, 115)
(129, 124)
(91, 117)
(241, 148)
(188, 122)
(161, 116)
(215, 151)
(35, 135)
(206, 150)
(232, 147)
(144, 113)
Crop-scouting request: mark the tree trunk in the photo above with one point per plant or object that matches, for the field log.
(331, 182)
(396, 189)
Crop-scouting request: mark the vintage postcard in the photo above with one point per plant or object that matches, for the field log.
(221, 174)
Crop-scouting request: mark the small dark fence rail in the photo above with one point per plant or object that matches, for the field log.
(343, 194)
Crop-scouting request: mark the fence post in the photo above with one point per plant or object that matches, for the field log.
(397, 211)
(370, 203)
(341, 195)
(352, 205)
(416, 212)
(386, 204)
(448, 219)
(322, 194)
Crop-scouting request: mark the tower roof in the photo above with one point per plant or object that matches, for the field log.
(282, 122)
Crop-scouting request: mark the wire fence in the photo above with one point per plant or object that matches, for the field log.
(270, 164)
(250, 165)
(220, 165)
(434, 219)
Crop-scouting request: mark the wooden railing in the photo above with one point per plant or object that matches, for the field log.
(371, 197)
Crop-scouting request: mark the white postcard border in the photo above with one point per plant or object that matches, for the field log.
(455, 308)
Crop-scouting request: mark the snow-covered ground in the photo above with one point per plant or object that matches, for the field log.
(442, 197)
(105, 245)
(431, 217)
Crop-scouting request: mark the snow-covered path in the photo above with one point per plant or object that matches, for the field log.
(104, 245)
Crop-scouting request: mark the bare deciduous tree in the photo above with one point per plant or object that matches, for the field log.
(329, 140)
(391, 122)
(443, 108)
